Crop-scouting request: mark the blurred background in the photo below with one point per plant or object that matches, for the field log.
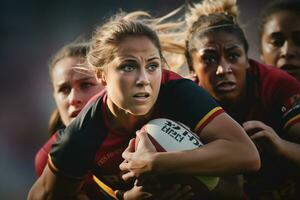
(31, 32)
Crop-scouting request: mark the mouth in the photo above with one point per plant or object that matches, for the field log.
(289, 67)
(141, 95)
(226, 86)
(74, 113)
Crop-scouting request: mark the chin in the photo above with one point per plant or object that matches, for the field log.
(227, 99)
(140, 111)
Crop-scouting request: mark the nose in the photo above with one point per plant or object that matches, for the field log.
(143, 78)
(223, 68)
(288, 50)
(75, 98)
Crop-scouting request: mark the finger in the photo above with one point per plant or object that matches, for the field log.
(144, 141)
(259, 135)
(128, 176)
(124, 166)
(253, 124)
(130, 147)
(127, 155)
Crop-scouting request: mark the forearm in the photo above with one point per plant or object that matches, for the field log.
(50, 186)
(220, 157)
(290, 151)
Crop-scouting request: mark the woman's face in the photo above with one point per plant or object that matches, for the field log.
(220, 63)
(280, 42)
(133, 78)
(72, 88)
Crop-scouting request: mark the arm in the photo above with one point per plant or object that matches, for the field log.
(269, 140)
(174, 192)
(218, 157)
(291, 149)
(70, 158)
(51, 186)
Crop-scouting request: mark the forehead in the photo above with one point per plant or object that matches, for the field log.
(217, 40)
(282, 21)
(65, 69)
(132, 45)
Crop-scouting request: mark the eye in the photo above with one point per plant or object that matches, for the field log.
(86, 85)
(277, 40)
(127, 67)
(64, 90)
(152, 67)
(209, 59)
(234, 57)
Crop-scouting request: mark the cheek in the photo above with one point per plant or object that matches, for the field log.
(268, 53)
(206, 77)
(92, 92)
(119, 87)
(62, 106)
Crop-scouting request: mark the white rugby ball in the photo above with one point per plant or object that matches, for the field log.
(169, 135)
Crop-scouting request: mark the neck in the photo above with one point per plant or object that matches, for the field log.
(120, 119)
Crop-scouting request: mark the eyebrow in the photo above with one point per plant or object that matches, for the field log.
(77, 80)
(153, 58)
(205, 49)
(231, 47)
(133, 59)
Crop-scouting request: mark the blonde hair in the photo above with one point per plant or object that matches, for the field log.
(107, 37)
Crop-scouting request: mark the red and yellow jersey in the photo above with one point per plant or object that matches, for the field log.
(272, 97)
(104, 145)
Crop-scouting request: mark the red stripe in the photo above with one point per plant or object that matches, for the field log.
(158, 147)
(209, 119)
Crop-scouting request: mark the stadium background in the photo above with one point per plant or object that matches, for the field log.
(31, 32)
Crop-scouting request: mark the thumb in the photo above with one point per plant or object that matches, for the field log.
(144, 141)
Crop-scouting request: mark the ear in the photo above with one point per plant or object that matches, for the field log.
(100, 75)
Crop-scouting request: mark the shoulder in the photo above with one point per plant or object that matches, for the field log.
(168, 75)
(271, 82)
(269, 75)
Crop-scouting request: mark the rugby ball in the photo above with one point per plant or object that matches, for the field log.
(169, 135)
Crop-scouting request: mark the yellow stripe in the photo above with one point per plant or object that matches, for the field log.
(291, 120)
(51, 163)
(206, 117)
(106, 188)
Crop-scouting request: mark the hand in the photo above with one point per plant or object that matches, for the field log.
(175, 192)
(264, 136)
(135, 193)
(139, 161)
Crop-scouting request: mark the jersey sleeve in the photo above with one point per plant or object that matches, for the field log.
(185, 101)
(41, 156)
(289, 94)
(279, 93)
(73, 153)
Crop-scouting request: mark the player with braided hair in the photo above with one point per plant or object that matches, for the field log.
(264, 100)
